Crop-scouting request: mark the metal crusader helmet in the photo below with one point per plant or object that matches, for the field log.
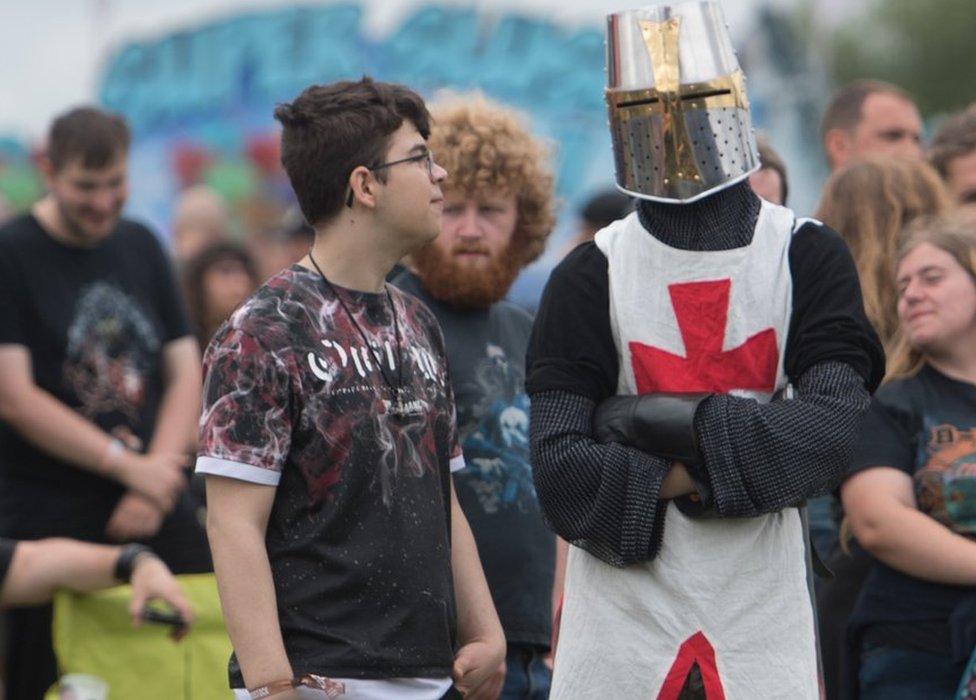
(679, 116)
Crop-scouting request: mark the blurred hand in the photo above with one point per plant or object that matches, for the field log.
(157, 476)
(476, 663)
(128, 438)
(135, 518)
(491, 689)
(152, 580)
(678, 482)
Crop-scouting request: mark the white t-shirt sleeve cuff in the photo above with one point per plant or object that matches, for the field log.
(457, 463)
(237, 470)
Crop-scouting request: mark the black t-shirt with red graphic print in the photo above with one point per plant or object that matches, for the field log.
(359, 533)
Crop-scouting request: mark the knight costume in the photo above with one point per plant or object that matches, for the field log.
(709, 328)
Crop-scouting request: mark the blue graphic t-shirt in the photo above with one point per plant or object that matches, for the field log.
(925, 426)
(486, 361)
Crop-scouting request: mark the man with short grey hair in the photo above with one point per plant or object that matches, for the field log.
(870, 116)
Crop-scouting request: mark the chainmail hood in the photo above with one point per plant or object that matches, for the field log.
(722, 221)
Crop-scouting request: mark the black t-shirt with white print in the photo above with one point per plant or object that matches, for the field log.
(359, 533)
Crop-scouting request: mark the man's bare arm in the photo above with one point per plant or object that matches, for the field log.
(53, 427)
(39, 568)
(237, 518)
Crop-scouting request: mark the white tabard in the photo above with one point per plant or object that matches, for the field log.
(727, 594)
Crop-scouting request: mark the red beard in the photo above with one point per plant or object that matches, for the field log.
(460, 284)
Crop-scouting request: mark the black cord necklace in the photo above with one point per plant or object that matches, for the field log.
(397, 407)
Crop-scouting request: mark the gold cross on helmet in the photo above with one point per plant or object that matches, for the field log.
(679, 115)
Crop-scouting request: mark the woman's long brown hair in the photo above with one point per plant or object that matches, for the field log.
(956, 235)
(869, 202)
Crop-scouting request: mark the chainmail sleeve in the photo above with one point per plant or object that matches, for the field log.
(600, 497)
(761, 458)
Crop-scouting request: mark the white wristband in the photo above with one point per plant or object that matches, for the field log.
(111, 456)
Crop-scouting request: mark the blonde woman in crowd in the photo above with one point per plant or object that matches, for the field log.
(911, 490)
(869, 201)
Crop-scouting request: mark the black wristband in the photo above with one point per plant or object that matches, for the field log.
(127, 559)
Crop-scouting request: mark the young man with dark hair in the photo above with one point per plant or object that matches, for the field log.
(953, 154)
(870, 116)
(99, 376)
(328, 433)
(498, 213)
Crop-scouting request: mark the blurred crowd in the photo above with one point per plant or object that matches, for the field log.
(897, 615)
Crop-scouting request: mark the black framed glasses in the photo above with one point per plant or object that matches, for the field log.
(427, 156)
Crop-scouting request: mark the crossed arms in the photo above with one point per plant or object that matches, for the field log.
(752, 458)
(154, 479)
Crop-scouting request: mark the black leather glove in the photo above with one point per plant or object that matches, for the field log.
(659, 424)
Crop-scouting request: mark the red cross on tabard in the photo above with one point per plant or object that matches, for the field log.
(702, 310)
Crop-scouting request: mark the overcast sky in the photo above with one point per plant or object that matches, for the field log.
(51, 51)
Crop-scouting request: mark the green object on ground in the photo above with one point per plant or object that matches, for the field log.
(94, 635)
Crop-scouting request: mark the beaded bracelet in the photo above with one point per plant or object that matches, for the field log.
(333, 689)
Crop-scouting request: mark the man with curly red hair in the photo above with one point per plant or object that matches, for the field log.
(498, 213)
